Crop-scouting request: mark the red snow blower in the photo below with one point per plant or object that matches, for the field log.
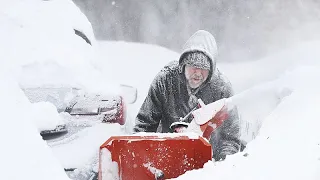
(154, 157)
(157, 156)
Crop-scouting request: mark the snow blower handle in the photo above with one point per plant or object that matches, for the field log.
(201, 103)
(181, 125)
(160, 176)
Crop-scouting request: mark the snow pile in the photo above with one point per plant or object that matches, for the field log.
(60, 97)
(49, 74)
(22, 148)
(109, 168)
(52, 52)
(33, 34)
(81, 149)
(45, 116)
(287, 145)
(255, 104)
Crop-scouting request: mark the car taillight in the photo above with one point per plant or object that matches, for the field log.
(115, 113)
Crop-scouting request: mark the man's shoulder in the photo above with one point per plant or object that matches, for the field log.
(220, 80)
(169, 70)
(169, 73)
(224, 83)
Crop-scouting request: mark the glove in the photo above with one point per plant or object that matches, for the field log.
(179, 127)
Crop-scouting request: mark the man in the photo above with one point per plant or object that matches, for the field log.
(177, 87)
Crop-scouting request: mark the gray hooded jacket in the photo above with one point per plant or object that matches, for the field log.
(170, 98)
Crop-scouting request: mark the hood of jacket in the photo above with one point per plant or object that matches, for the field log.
(202, 41)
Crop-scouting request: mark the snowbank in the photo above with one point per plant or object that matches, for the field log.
(51, 51)
(82, 148)
(287, 146)
(45, 116)
(23, 154)
(34, 35)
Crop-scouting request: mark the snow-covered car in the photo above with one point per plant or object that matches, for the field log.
(109, 108)
(58, 96)
(64, 64)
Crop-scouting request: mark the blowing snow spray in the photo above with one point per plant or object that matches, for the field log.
(206, 118)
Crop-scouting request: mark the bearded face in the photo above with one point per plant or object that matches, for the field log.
(195, 76)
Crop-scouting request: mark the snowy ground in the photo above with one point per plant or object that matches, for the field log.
(279, 93)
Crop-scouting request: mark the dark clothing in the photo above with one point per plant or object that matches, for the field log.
(169, 99)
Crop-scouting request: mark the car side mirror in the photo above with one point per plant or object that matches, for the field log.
(129, 93)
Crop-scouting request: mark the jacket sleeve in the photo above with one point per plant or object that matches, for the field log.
(150, 113)
(226, 139)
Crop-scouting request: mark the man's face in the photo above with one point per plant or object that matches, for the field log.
(195, 76)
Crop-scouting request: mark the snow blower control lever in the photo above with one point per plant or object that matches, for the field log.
(154, 172)
(181, 125)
